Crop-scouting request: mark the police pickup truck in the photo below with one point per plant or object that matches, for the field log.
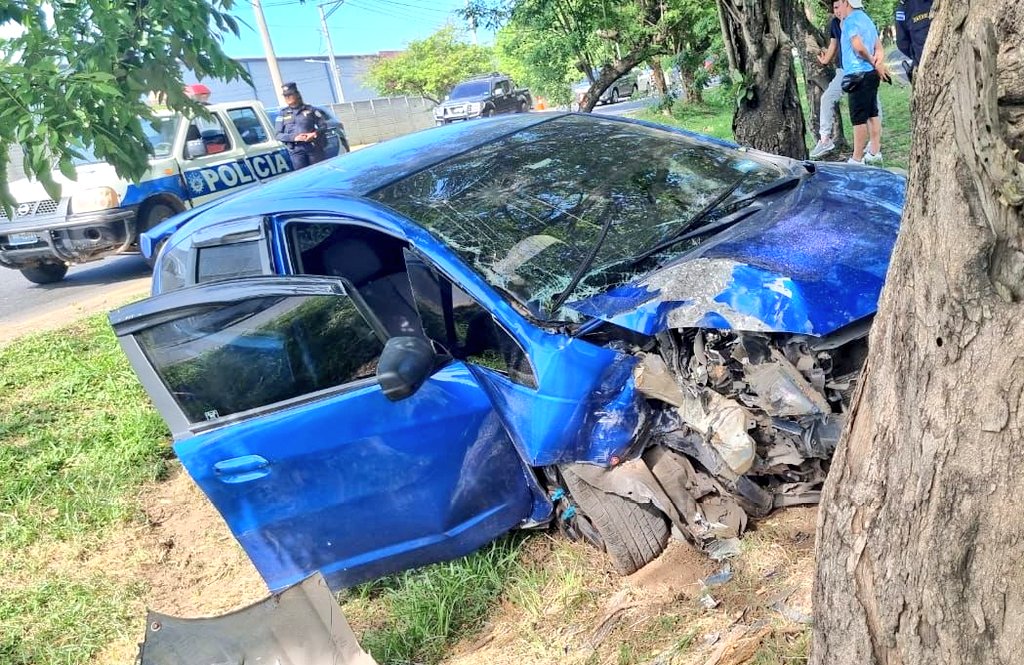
(100, 214)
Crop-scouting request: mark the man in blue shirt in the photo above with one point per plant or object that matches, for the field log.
(863, 67)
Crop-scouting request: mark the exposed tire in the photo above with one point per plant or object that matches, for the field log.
(488, 112)
(522, 108)
(615, 96)
(153, 215)
(633, 533)
(47, 273)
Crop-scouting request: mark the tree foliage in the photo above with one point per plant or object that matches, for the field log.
(75, 75)
(600, 39)
(430, 67)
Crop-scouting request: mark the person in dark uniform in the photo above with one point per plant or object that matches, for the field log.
(300, 127)
(913, 18)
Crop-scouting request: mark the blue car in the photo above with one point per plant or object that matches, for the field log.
(600, 325)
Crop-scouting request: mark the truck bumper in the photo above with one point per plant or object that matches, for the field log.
(70, 239)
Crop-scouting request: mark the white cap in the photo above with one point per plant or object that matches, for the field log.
(856, 4)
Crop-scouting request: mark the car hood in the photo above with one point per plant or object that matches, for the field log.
(99, 174)
(811, 262)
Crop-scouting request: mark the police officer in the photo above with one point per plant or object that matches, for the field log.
(913, 18)
(300, 127)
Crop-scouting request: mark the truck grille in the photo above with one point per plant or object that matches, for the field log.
(46, 207)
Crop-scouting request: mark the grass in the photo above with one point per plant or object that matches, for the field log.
(77, 436)
(713, 117)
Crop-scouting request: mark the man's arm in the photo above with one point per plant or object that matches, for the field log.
(903, 41)
(283, 136)
(826, 56)
(858, 47)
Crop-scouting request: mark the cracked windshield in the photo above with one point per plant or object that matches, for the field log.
(554, 214)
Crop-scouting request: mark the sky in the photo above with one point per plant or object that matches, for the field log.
(357, 26)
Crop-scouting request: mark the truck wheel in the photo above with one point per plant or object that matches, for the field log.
(633, 533)
(522, 108)
(45, 273)
(153, 215)
(488, 112)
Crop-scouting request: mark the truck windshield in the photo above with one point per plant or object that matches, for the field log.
(159, 134)
(470, 89)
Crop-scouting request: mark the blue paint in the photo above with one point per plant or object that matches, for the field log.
(811, 262)
(361, 487)
(139, 192)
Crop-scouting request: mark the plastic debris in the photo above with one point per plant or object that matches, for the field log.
(720, 550)
(719, 578)
(709, 602)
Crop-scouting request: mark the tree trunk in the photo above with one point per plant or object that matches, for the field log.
(758, 45)
(694, 93)
(608, 75)
(659, 76)
(810, 41)
(921, 530)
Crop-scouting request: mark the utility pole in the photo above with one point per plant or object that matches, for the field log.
(268, 48)
(339, 91)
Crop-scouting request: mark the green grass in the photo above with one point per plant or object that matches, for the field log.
(77, 436)
(714, 118)
(422, 613)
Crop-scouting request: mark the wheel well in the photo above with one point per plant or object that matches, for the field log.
(157, 199)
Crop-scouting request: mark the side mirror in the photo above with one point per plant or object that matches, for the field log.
(195, 148)
(405, 364)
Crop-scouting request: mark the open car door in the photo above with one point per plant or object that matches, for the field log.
(269, 387)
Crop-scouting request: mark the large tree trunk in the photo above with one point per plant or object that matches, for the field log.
(921, 530)
(659, 76)
(759, 46)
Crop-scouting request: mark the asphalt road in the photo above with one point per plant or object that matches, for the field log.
(87, 289)
(625, 107)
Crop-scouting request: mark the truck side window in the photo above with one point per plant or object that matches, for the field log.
(248, 125)
(467, 330)
(259, 352)
(212, 132)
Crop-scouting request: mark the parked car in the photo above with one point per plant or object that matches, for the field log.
(101, 214)
(391, 359)
(336, 139)
(624, 86)
(482, 97)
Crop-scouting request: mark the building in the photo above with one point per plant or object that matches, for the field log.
(312, 74)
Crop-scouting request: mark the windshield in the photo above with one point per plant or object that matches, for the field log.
(159, 133)
(471, 89)
(527, 211)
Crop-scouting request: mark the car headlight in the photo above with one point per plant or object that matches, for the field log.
(475, 107)
(91, 200)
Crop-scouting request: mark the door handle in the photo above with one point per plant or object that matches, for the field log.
(241, 469)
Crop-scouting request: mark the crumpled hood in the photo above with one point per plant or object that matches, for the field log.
(811, 262)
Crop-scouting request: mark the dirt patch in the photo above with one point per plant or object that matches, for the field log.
(185, 556)
(674, 575)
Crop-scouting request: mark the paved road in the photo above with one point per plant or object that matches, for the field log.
(89, 288)
(625, 107)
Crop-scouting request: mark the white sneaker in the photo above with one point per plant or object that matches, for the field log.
(872, 157)
(823, 148)
(854, 161)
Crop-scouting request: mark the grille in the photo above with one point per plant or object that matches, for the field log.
(32, 208)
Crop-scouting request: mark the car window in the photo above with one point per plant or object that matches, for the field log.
(239, 259)
(470, 89)
(467, 330)
(251, 354)
(526, 211)
(211, 130)
(248, 125)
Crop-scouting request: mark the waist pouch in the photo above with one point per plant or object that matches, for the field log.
(853, 81)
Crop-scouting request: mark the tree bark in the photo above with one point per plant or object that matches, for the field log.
(759, 46)
(921, 529)
(659, 76)
(810, 41)
(608, 74)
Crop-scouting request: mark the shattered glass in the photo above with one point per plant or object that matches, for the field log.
(526, 211)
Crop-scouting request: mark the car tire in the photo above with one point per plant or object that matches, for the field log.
(615, 96)
(634, 534)
(45, 273)
(488, 112)
(521, 108)
(153, 215)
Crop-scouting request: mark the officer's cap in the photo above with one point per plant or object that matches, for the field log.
(289, 89)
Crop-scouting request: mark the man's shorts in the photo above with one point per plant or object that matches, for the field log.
(864, 100)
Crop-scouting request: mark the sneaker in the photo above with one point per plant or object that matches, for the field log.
(823, 148)
(872, 157)
(854, 161)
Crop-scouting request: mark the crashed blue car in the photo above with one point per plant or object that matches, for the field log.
(625, 331)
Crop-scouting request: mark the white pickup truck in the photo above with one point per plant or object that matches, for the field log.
(99, 214)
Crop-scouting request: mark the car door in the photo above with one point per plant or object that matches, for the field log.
(265, 157)
(268, 385)
(213, 159)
